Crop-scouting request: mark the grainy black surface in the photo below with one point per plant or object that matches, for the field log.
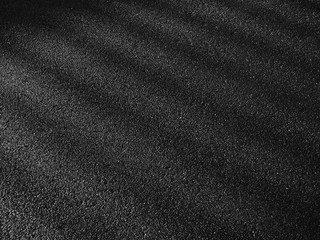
(165, 119)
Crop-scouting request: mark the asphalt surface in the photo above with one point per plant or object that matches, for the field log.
(166, 119)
